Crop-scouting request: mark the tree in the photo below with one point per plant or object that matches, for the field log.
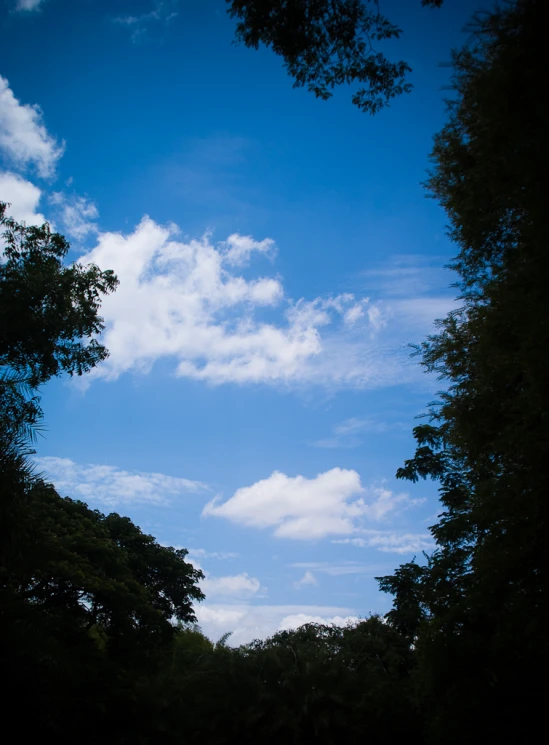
(484, 591)
(86, 616)
(319, 683)
(328, 43)
(49, 317)
(48, 311)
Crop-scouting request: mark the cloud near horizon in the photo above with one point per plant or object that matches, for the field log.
(248, 622)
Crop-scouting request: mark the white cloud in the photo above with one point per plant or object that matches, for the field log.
(339, 570)
(28, 4)
(112, 486)
(236, 586)
(346, 434)
(76, 214)
(409, 276)
(184, 300)
(23, 197)
(334, 502)
(249, 622)
(201, 553)
(23, 137)
(307, 579)
(163, 11)
(239, 248)
(392, 542)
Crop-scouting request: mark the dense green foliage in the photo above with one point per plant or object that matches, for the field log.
(479, 609)
(49, 311)
(320, 684)
(328, 43)
(87, 604)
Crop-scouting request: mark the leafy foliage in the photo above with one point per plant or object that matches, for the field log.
(483, 593)
(318, 683)
(48, 314)
(87, 609)
(328, 43)
(48, 311)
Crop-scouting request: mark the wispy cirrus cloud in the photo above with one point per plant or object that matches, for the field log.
(162, 12)
(202, 553)
(339, 569)
(348, 433)
(408, 276)
(112, 486)
(391, 541)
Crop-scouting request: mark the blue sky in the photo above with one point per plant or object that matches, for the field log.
(276, 255)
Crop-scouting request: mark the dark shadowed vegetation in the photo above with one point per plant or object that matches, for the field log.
(97, 631)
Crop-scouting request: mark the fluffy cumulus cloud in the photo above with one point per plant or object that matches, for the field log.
(248, 622)
(111, 486)
(234, 586)
(23, 198)
(231, 587)
(195, 302)
(334, 502)
(24, 140)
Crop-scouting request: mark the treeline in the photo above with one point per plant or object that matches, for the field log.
(96, 618)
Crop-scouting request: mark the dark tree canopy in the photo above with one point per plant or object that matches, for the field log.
(316, 684)
(481, 604)
(102, 569)
(86, 610)
(49, 312)
(328, 43)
